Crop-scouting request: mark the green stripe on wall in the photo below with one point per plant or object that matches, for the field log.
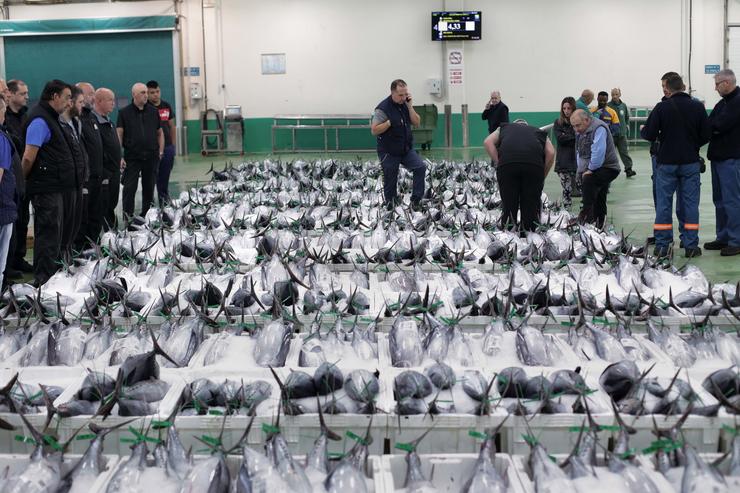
(258, 134)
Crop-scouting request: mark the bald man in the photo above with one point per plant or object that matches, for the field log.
(92, 214)
(140, 132)
(105, 102)
(587, 97)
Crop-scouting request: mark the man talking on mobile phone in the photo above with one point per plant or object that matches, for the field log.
(391, 124)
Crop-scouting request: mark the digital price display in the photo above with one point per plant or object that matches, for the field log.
(456, 26)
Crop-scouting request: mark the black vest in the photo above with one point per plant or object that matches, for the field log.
(111, 149)
(74, 137)
(93, 144)
(397, 140)
(14, 125)
(8, 192)
(54, 169)
(521, 144)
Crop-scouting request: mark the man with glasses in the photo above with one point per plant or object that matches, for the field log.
(724, 153)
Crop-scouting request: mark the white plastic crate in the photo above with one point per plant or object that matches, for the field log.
(603, 476)
(17, 462)
(675, 475)
(447, 472)
(12, 441)
(66, 427)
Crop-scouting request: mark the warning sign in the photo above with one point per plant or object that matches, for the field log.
(455, 74)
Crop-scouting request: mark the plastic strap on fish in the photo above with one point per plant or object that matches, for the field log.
(140, 437)
(729, 429)
(52, 442)
(267, 428)
(88, 436)
(407, 447)
(665, 444)
(477, 434)
(25, 439)
(629, 453)
(356, 438)
(216, 442)
(215, 412)
(531, 440)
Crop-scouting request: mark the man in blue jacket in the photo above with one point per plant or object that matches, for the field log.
(680, 124)
(724, 153)
(391, 124)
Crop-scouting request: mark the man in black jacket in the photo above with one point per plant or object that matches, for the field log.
(110, 183)
(495, 112)
(724, 152)
(679, 123)
(142, 139)
(15, 118)
(92, 213)
(49, 167)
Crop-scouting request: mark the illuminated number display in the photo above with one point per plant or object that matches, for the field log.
(456, 26)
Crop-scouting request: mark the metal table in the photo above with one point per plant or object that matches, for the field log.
(298, 122)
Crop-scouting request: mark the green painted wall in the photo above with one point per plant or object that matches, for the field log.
(114, 60)
(257, 133)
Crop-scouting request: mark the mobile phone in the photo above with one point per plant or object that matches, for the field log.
(408, 99)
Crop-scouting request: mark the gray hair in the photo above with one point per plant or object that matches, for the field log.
(727, 74)
(581, 114)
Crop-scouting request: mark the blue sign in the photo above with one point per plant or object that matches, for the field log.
(191, 71)
(711, 69)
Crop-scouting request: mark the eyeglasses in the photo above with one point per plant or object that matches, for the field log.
(718, 82)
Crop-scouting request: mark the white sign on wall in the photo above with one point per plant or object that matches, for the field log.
(455, 71)
(273, 63)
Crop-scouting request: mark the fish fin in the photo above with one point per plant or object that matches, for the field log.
(325, 429)
(110, 400)
(102, 431)
(50, 409)
(629, 429)
(5, 391)
(158, 350)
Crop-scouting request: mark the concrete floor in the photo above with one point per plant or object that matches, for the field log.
(630, 200)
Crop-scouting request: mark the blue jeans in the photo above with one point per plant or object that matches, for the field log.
(726, 198)
(412, 162)
(163, 175)
(6, 231)
(683, 179)
(679, 205)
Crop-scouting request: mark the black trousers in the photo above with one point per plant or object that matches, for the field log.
(595, 189)
(109, 190)
(147, 169)
(17, 248)
(92, 215)
(72, 200)
(48, 226)
(521, 189)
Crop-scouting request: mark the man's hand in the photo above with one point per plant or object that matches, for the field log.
(409, 99)
(123, 164)
(588, 172)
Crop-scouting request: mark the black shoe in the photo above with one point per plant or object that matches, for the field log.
(715, 245)
(680, 244)
(729, 251)
(23, 266)
(693, 252)
(630, 173)
(651, 240)
(11, 273)
(416, 206)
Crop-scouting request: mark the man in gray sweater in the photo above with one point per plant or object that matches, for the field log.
(597, 160)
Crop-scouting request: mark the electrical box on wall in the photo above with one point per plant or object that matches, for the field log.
(434, 86)
(195, 91)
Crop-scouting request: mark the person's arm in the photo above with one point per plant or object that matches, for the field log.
(160, 141)
(490, 144)
(727, 119)
(626, 115)
(380, 122)
(29, 157)
(415, 118)
(598, 150)
(649, 132)
(486, 111)
(563, 134)
(173, 133)
(119, 131)
(703, 130)
(504, 115)
(549, 156)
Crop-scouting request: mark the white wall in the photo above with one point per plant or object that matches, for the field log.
(342, 54)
